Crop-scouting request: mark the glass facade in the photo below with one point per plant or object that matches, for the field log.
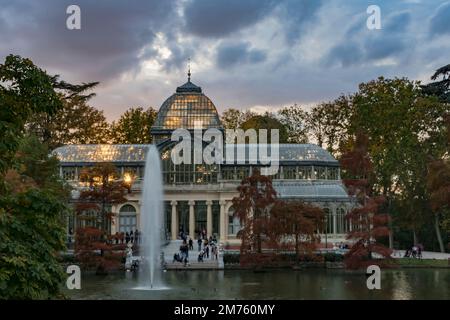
(183, 110)
(200, 216)
(187, 173)
(127, 219)
(300, 165)
(342, 223)
(183, 216)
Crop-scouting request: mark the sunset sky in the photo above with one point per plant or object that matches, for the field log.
(259, 54)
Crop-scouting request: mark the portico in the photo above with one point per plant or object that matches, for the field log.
(207, 212)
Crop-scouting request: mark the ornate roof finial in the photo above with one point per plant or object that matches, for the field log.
(189, 69)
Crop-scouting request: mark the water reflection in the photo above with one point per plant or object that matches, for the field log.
(288, 284)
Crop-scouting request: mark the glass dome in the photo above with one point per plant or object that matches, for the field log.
(184, 108)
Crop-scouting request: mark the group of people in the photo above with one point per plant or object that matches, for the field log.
(127, 237)
(210, 249)
(207, 248)
(414, 252)
(343, 245)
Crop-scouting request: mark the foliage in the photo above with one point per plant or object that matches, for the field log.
(93, 208)
(104, 190)
(75, 123)
(134, 126)
(24, 91)
(438, 184)
(297, 220)
(368, 224)
(269, 122)
(32, 212)
(328, 123)
(252, 207)
(439, 88)
(233, 118)
(94, 250)
(32, 199)
(295, 121)
(31, 234)
(404, 128)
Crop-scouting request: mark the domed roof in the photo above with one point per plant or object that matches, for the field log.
(184, 108)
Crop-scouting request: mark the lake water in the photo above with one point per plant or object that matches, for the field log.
(282, 284)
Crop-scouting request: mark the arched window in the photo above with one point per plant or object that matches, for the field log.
(234, 224)
(127, 218)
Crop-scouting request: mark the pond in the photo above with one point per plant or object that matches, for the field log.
(279, 284)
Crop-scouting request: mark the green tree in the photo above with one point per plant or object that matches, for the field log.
(267, 121)
(368, 223)
(404, 128)
(295, 120)
(31, 234)
(439, 88)
(328, 123)
(32, 212)
(25, 90)
(75, 123)
(134, 126)
(233, 118)
(32, 199)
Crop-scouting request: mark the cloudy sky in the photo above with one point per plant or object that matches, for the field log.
(260, 54)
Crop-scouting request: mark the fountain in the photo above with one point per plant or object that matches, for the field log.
(151, 223)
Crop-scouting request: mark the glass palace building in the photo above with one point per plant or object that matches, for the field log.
(199, 196)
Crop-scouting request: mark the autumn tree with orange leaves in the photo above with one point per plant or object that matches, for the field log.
(299, 221)
(252, 207)
(368, 223)
(438, 183)
(93, 247)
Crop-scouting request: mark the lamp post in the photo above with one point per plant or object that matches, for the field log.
(128, 180)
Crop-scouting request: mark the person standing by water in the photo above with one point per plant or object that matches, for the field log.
(199, 241)
(136, 236)
(191, 244)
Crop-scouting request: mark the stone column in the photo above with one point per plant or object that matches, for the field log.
(191, 219)
(209, 218)
(174, 224)
(223, 221)
(350, 226)
(334, 221)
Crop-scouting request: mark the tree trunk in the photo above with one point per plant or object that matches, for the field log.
(391, 237)
(258, 243)
(391, 230)
(438, 233)
(414, 237)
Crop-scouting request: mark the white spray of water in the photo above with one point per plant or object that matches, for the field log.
(151, 221)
